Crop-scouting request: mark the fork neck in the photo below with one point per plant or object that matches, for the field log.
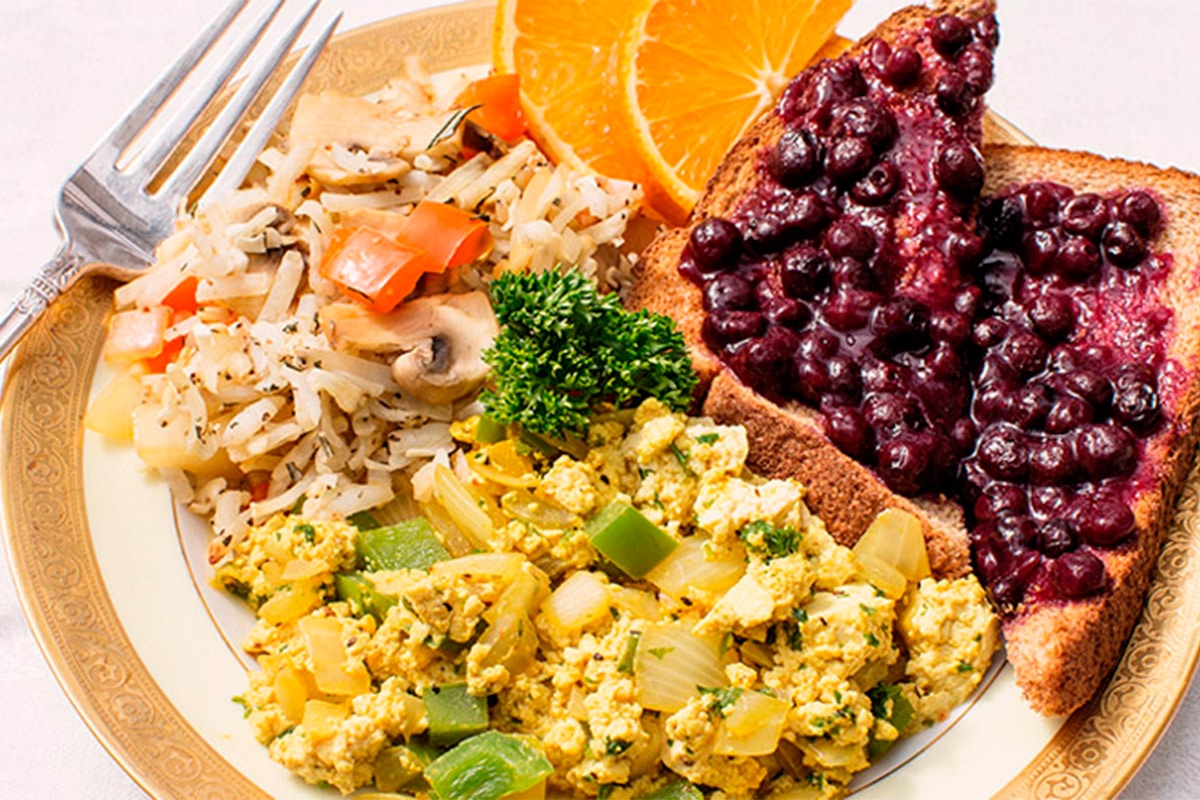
(55, 277)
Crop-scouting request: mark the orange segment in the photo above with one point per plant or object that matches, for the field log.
(695, 74)
(565, 52)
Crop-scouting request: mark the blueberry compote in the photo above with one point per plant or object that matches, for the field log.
(1070, 377)
(841, 278)
(949, 358)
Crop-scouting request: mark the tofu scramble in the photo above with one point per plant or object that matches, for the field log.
(522, 615)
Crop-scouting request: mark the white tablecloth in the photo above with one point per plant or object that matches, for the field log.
(1113, 76)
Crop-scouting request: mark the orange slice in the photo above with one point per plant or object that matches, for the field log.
(695, 74)
(565, 52)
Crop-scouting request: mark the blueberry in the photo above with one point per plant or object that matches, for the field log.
(1089, 386)
(1077, 574)
(999, 498)
(958, 169)
(1105, 450)
(723, 328)
(1141, 211)
(805, 272)
(904, 463)
(1123, 245)
(1085, 215)
(1136, 404)
(1023, 352)
(1105, 522)
(1078, 258)
(797, 156)
(715, 244)
(845, 377)
(1002, 222)
(846, 238)
(848, 159)
(890, 414)
(1039, 205)
(1052, 315)
(902, 323)
(903, 67)
(1068, 413)
(863, 119)
(850, 432)
(1051, 462)
(1056, 536)
(976, 66)
(949, 35)
(849, 309)
(952, 94)
(729, 292)
(1039, 250)
(878, 186)
(1004, 453)
(1029, 406)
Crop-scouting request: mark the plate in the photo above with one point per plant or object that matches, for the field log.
(110, 579)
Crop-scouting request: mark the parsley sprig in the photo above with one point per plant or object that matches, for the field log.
(565, 350)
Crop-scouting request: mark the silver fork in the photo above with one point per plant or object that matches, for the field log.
(109, 218)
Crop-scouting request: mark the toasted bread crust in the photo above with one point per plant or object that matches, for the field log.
(1064, 652)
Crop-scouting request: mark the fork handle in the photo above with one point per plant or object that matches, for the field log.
(51, 281)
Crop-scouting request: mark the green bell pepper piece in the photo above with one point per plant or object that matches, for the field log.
(411, 544)
(357, 590)
(630, 541)
(901, 714)
(490, 430)
(488, 767)
(454, 713)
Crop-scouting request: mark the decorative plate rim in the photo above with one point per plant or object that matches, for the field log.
(66, 602)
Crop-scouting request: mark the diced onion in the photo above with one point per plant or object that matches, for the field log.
(473, 521)
(672, 663)
(322, 719)
(895, 538)
(688, 571)
(881, 574)
(333, 671)
(752, 726)
(290, 693)
(111, 411)
(581, 600)
(525, 506)
(290, 603)
(504, 566)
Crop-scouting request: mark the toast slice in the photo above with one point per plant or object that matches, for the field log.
(911, 225)
(1064, 650)
(1067, 493)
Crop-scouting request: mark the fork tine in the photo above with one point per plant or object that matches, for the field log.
(205, 151)
(149, 105)
(156, 153)
(239, 165)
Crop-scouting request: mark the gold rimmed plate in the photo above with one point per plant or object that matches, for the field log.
(114, 586)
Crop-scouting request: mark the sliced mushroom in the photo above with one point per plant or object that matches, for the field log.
(357, 141)
(440, 338)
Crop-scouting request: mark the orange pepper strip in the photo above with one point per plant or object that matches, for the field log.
(500, 99)
(171, 347)
(452, 237)
(368, 265)
(183, 296)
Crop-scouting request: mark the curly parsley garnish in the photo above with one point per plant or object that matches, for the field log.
(564, 350)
